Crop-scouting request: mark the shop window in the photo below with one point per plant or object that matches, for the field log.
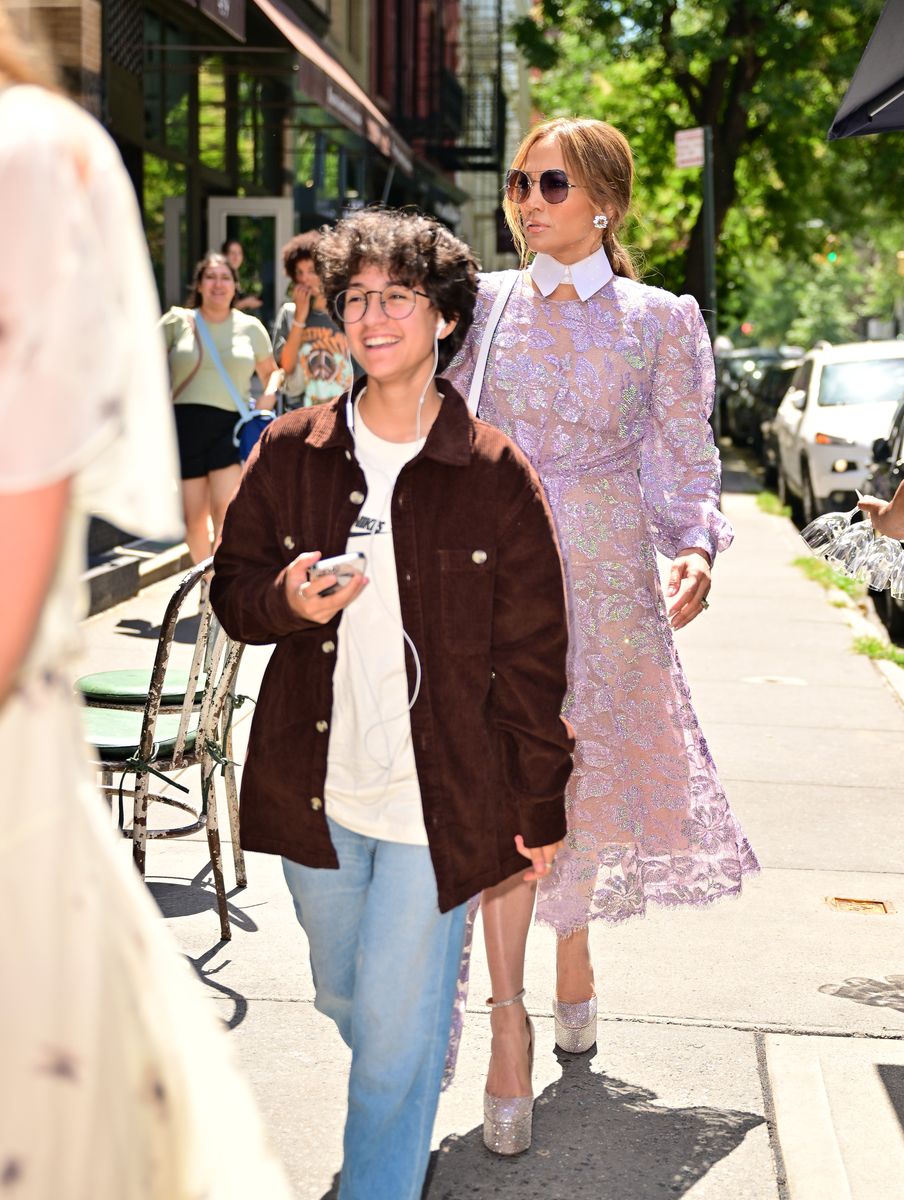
(167, 83)
(331, 185)
(251, 131)
(162, 179)
(306, 159)
(153, 76)
(354, 182)
(212, 113)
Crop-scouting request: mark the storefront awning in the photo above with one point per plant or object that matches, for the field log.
(325, 81)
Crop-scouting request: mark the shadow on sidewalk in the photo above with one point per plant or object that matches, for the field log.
(192, 897)
(877, 993)
(892, 1077)
(186, 633)
(205, 974)
(740, 473)
(595, 1138)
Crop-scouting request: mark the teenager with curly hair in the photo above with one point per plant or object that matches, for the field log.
(407, 748)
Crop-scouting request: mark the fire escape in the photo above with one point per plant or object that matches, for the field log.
(481, 143)
(469, 134)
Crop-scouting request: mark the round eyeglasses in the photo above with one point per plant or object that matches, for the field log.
(554, 186)
(396, 301)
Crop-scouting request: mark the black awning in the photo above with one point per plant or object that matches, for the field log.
(874, 102)
(326, 81)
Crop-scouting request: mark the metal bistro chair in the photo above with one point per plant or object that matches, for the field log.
(154, 723)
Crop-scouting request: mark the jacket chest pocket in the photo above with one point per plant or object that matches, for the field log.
(466, 599)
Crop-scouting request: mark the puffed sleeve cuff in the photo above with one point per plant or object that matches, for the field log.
(714, 537)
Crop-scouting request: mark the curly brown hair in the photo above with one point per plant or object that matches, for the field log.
(413, 249)
(299, 248)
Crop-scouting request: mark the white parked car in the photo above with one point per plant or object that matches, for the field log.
(840, 400)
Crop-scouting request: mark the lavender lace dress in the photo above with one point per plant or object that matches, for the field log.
(609, 399)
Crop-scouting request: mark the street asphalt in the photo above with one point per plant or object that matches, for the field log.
(751, 1051)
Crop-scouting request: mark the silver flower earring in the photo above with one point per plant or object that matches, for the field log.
(600, 221)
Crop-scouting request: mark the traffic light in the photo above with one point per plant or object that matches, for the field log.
(831, 249)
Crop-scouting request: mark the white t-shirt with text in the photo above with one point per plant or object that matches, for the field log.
(371, 781)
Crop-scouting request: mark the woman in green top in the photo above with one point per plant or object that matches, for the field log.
(205, 412)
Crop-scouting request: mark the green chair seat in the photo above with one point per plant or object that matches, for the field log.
(115, 733)
(131, 687)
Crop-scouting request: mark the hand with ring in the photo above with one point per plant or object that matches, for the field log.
(305, 596)
(688, 586)
(542, 858)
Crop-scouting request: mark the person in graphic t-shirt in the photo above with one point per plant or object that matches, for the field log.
(308, 344)
(406, 750)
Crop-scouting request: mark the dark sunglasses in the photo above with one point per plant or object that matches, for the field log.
(554, 186)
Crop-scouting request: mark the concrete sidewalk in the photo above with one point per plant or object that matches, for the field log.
(753, 1050)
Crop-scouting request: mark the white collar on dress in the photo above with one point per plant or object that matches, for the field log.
(586, 276)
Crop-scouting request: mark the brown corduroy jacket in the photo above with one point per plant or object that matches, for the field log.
(482, 597)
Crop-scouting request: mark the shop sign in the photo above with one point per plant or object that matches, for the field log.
(229, 14)
(689, 150)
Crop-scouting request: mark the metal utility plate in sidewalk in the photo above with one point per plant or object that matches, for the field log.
(851, 904)
(839, 1108)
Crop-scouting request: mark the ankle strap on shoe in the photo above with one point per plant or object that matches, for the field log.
(491, 1003)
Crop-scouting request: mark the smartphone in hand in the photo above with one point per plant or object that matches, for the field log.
(343, 566)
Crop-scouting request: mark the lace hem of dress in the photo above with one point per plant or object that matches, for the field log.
(626, 882)
(460, 1004)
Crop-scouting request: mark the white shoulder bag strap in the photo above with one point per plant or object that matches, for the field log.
(505, 290)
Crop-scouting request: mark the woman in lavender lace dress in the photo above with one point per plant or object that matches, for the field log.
(607, 385)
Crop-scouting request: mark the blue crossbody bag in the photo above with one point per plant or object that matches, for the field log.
(252, 421)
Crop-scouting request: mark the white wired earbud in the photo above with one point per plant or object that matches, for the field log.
(381, 724)
(440, 325)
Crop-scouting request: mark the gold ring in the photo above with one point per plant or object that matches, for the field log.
(705, 603)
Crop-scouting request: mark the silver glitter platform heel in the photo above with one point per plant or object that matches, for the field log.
(575, 1025)
(507, 1120)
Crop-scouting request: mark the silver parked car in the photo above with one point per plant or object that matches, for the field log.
(841, 399)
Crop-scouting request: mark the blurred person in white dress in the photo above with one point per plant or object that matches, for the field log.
(117, 1083)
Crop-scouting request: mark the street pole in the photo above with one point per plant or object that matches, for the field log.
(709, 234)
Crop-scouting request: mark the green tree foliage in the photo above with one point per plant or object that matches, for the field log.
(768, 77)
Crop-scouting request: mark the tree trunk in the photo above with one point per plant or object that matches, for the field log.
(724, 93)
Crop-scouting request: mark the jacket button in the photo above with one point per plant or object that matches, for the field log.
(348, 455)
(479, 556)
(328, 647)
(316, 803)
(322, 726)
(289, 542)
(357, 497)
(408, 577)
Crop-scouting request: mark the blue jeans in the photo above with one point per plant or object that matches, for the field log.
(385, 962)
